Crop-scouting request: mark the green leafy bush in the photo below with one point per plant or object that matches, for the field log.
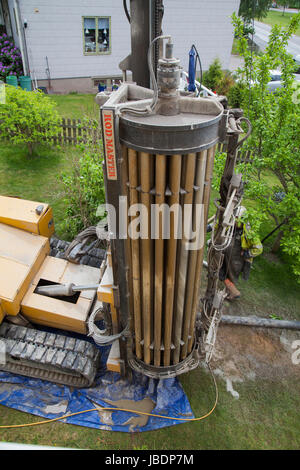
(236, 95)
(213, 76)
(217, 80)
(28, 118)
(84, 188)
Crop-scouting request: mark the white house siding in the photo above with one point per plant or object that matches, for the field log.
(55, 30)
(205, 23)
(15, 31)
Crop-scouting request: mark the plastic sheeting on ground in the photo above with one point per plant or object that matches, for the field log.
(48, 400)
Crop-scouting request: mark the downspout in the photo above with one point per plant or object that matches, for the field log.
(22, 48)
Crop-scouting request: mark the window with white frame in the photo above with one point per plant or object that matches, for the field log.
(96, 35)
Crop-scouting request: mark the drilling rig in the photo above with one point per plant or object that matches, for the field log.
(159, 147)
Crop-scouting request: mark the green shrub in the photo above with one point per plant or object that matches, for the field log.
(28, 118)
(236, 95)
(213, 76)
(217, 80)
(84, 188)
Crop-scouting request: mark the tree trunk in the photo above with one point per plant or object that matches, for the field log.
(276, 244)
(30, 147)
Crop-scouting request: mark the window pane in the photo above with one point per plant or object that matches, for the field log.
(90, 34)
(103, 34)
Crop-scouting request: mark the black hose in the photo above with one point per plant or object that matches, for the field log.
(200, 65)
(273, 231)
(126, 10)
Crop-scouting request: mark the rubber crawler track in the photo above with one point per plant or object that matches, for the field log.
(48, 356)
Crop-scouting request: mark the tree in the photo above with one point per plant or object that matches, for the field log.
(250, 9)
(273, 178)
(28, 118)
(284, 4)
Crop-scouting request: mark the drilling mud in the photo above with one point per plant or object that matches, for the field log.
(244, 353)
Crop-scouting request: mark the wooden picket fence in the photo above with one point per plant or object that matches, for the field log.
(75, 131)
(242, 155)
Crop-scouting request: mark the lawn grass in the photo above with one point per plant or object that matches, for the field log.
(266, 416)
(276, 17)
(76, 105)
(36, 178)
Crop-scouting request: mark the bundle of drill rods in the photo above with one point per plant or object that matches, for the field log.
(165, 274)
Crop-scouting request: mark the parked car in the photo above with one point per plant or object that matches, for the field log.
(297, 62)
(276, 79)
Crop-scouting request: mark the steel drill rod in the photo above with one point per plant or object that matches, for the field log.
(145, 167)
(174, 184)
(128, 267)
(160, 187)
(198, 199)
(66, 290)
(135, 253)
(206, 198)
(260, 322)
(187, 199)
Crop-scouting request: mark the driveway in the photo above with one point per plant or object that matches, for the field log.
(261, 37)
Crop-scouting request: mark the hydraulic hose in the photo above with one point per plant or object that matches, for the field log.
(150, 108)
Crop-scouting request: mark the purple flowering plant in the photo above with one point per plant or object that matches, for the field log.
(10, 58)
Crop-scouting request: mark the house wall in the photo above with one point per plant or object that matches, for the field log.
(205, 23)
(15, 31)
(55, 30)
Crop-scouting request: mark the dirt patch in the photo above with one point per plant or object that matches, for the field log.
(272, 257)
(243, 353)
(146, 406)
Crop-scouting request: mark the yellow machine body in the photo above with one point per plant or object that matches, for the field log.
(105, 294)
(70, 314)
(33, 217)
(21, 256)
(25, 261)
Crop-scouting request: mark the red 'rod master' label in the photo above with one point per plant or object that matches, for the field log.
(109, 144)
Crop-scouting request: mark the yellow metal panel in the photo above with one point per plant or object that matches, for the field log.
(2, 314)
(22, 214)
(113, 361)
(105, 292)
(49, 311)
(55, 312)
(21, 255)
(78, 327)
(80, 274)
(114, 366)
(46, 223)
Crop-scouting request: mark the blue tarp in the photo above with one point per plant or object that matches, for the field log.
(49, 400)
